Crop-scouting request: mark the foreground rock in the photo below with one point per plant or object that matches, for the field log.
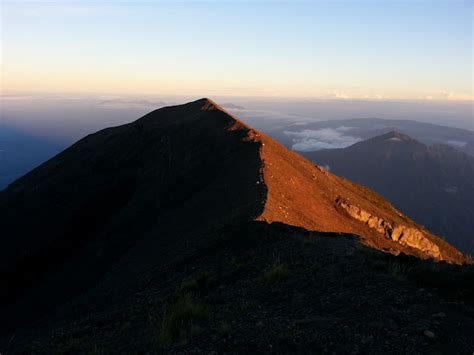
(408, 236)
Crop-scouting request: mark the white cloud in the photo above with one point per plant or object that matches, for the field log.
(309, 140)
(5, 97)
(341, 95)
(455, 96)
(131, 103)
(458, 96)
(451, 189)
(456, 143)
(376, 97)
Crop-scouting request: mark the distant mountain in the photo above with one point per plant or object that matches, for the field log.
(434, 185)
(120, 241)
(131, 103)
(231, 106)
(313, 133)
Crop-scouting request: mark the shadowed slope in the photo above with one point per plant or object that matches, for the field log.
(260, 288)
(126, 199)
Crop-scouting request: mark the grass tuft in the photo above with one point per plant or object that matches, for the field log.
(181, 319)
(276, 274)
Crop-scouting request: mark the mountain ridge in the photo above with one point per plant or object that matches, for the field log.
(393, 135)
(300, 184)
(432, 184)
(279, 208)
(124, 212)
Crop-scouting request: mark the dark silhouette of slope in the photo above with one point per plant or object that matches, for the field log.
(100, 222)
(434, 185)
(140, 188)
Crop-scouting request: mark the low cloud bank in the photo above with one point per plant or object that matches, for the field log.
(456, 143)
(308, 140)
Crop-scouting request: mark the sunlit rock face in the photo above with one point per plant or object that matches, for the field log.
(407, 236)
(432, 184)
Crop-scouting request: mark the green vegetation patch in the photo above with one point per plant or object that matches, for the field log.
(182, 319)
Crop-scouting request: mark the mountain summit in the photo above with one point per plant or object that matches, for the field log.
(394, 136)
(103, 218)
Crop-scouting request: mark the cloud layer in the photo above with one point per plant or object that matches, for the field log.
(308, 140)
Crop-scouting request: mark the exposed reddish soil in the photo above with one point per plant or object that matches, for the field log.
(302, 194)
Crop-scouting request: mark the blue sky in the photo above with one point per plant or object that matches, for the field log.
(329, 49)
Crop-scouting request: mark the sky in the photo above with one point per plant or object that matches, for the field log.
(371, 50)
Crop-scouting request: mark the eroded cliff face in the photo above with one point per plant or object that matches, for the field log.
(404, 235)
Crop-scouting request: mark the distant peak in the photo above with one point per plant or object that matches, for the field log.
(393, 136)
(396, 136)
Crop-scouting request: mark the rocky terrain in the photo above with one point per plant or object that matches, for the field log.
(401, 234)
(434, 184)
(270, 288)
(189, 231)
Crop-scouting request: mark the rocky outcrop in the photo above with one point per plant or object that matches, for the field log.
(404, 235)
